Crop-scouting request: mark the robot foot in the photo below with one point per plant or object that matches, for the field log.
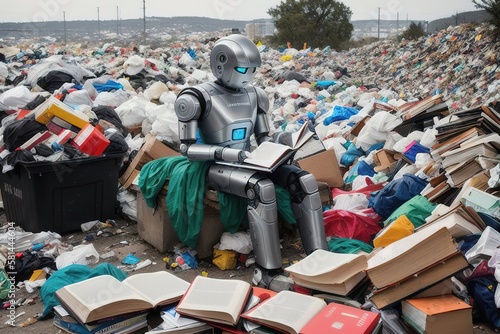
(272, 279)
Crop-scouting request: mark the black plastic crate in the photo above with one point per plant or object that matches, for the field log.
(60, 196)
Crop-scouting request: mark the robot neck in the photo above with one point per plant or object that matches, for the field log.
(220, 83)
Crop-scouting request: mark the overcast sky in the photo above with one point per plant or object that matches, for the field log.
(52, 10)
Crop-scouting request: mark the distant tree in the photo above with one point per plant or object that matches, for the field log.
(319, 23)
(491, 7)
(414, 31)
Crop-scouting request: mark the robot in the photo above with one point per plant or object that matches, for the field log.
(225, 113)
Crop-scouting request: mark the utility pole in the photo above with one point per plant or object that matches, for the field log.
(397, 24)
(117, 22)
(144, 15)
(378, 33)
(64, 18)
(456, 19)
(98, 24)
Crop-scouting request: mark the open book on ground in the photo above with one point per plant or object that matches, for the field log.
(105, 296)
(269, 155)
(292, 312)
(329, 272)
(215, 300)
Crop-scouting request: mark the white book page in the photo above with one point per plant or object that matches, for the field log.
(288, 308)
(267, 154)
(401, 246)
(301, 136)
(218, 295)
(101, 290)
(157, 286)
(321, 262)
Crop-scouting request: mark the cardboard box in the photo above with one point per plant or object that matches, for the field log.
(384, 158)
(151, 149)
(324, 167)
(155, 227)
(354, 131)
(53, 107)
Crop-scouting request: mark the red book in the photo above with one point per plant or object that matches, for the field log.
(339, 318)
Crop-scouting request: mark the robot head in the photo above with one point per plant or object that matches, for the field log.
(233, 60)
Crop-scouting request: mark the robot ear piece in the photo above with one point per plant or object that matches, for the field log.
(222, 57)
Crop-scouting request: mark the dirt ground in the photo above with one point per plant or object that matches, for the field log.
(134, 244)
(292, 251)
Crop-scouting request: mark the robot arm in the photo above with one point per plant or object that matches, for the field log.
(262, 124)
(188, 108)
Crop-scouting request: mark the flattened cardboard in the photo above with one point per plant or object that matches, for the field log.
(151, 149)
(324, 167)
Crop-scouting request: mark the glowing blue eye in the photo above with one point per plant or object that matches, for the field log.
(242, 70)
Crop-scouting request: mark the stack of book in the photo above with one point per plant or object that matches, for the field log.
(103, 304)
(460, 220)
(414, 108)
(467, 145)
(329, 272)
(412, 264)
(436, 315)
(294, 313)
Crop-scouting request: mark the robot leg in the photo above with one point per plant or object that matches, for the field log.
(263, 220)
(264, 232)
(306, 205)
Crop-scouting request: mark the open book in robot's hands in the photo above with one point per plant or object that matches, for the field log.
(270, 155)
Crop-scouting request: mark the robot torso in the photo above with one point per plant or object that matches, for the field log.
(229, 116)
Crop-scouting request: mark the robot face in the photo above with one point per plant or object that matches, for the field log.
(234, 60)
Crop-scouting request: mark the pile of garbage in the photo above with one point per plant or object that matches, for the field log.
(383, 109)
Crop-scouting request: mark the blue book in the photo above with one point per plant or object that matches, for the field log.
(127, 325)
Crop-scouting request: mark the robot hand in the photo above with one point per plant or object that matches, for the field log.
(231, 155)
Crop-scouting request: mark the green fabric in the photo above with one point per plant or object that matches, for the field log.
(72, 274)
(234, 212)
(4, 284)
(285, 205)
(154, 174)
(416, 210)
(186, 190)
(348, 246)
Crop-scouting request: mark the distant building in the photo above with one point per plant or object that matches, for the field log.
(255, 30)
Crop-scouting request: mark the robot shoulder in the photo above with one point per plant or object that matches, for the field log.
(262, 99)
(191, 103)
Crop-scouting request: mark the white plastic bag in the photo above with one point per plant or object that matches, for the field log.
(81, 254)
(16, 97)
(132, 112)
(350, 202)
(166, 127)
(111, 99)
(239, 242)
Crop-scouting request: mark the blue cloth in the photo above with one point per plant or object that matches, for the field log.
(414, 150)
(395, 193)
(109, 86)
(360, 168)
(340, 113)
(72, 274)
(325, 83)
(351, 154)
